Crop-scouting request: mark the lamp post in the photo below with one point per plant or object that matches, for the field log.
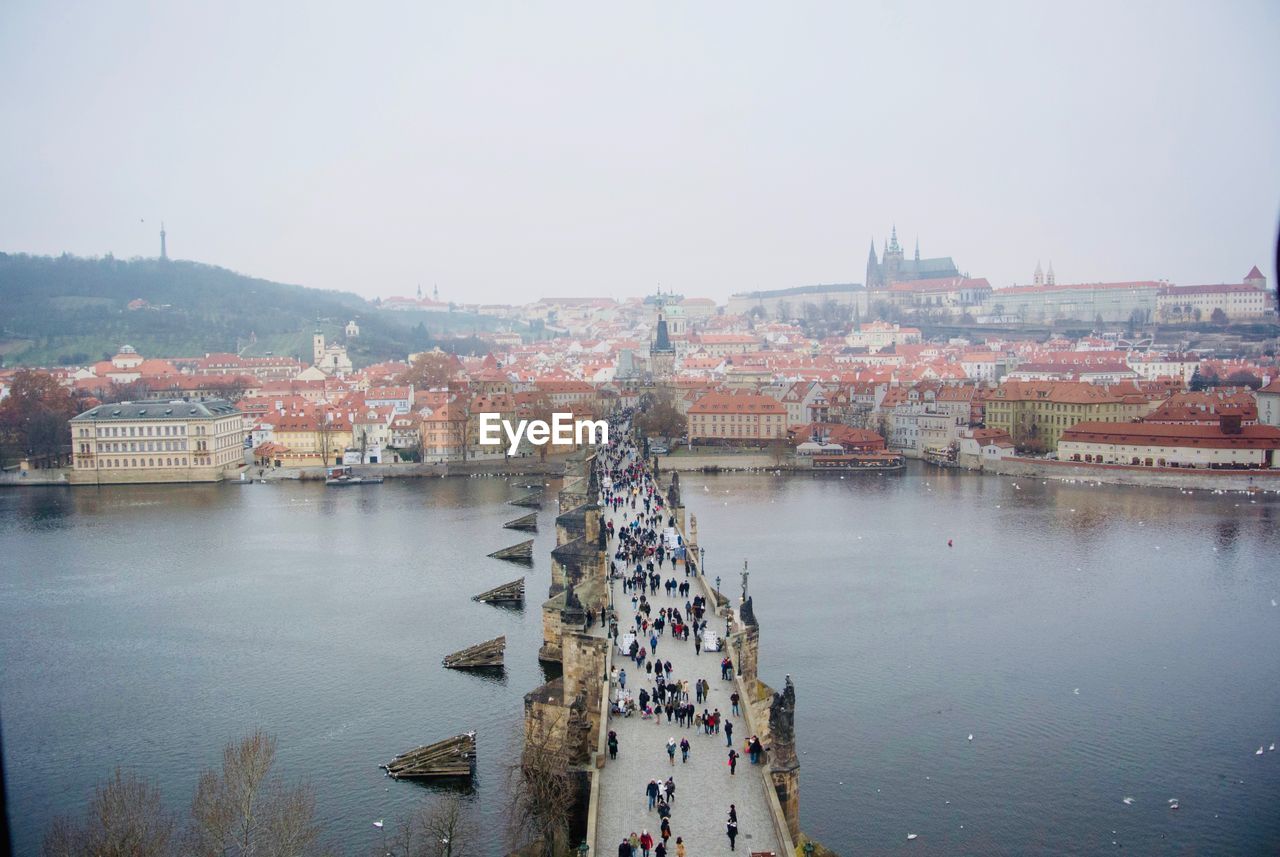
(702, 562)
(717, 584)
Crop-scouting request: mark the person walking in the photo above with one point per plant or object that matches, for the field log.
(613, 744)
(671, 789)
(624, 848)
(728, 733)
(733, 762)
(671, 750)
(651, 791)
(733, 700)
(646, 843)
(684, 751)
(680, 850)
(731, 830)
(622, 679)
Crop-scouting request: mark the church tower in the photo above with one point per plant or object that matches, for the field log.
(873, 268)
(1050, 279)
(1038, 277)
(317, 348)
(662, 354)
(892, 262)
(164, 251)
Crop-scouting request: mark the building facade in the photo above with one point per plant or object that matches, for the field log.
(157, 441)
(1036, 413)
(744, 418)
(1224, 445)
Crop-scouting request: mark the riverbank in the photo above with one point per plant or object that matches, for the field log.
(1068, 471)
(552, 466)
(1145, 477)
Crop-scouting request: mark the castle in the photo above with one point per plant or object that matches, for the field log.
(893, 267)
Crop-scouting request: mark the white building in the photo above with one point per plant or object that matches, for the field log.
(1228, 445)
(157, 441)
(1269, 404)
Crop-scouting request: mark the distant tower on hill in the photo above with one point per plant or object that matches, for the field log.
(1050, 279)
(164, 251)
(1038, 277)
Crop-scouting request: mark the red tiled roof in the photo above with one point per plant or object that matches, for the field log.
(1174, 434)
(739, 403)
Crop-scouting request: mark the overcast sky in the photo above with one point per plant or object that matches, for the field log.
(506, 152)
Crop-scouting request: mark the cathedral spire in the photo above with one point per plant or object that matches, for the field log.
(917, 248)
(873, 267)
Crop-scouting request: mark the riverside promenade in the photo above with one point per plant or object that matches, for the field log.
(704, 787)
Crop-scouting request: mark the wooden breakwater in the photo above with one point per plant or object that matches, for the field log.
(452, 757)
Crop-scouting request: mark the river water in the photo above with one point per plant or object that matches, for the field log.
(1098, 642)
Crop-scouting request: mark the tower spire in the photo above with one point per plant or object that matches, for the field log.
(164, 251)
(917, 248)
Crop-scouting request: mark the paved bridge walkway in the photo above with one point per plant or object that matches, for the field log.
(704, 787)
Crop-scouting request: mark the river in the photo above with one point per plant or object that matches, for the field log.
(1097, 642)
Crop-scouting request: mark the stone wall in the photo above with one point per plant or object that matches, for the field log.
(1151, 477)
(150, 475)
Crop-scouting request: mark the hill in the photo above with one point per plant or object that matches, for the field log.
(70, 310)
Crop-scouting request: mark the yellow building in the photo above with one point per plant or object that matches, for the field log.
(1036, 413)
(316, 437)
(157, 441)
(743, 418)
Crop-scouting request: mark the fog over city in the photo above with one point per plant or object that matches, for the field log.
(503, 152)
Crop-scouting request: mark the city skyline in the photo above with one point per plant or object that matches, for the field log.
(470, 151)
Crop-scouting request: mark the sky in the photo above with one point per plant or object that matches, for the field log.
(505, 152)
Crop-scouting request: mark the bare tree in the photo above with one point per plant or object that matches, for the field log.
(324, 435)
(542, 793)
(243, 811)
(441, 830)
(126, 819)
(459, 422)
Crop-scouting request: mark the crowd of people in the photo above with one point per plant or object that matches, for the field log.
(648, 555)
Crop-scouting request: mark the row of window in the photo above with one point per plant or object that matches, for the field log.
(1156, 462)
(138, 446)
(138, 431)
(104, 463)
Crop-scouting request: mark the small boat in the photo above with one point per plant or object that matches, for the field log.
(882, 461)
(344, 475)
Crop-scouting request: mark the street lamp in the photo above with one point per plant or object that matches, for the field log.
(702, 564)
(717, 584)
